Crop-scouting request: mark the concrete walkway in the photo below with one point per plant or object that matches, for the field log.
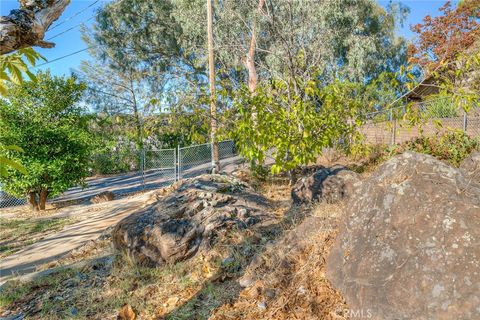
(95, 219)
(124, 184)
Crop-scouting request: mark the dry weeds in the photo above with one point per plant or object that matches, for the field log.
(290, 280)
(287, 257)
(15, 234)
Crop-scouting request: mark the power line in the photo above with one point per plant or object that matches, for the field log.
(63, 57)
(69, 29)
(74, 15)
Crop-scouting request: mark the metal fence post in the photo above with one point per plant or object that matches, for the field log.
(465, 121)
(178, 164)
(175, 159)
(213, 156)
(394, 127)
(142, 166)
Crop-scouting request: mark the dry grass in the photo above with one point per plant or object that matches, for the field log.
(288, 260)
(364, 165)
(24, 211)
(186, 290)
(90, 250)
(276, 190)
(290, 280)
(15, 234)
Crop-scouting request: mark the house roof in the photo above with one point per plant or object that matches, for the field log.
(425, 88)
(428, 87)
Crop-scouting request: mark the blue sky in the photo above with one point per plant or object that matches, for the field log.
(82, 11)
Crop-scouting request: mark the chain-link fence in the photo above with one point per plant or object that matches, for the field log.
(159, 168)
(226, 149)
(197, 159)
(127, 171)
(115, 162)
(194, 160)
(7, 200)
(391, 127)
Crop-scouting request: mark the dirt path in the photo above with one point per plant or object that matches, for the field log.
(95, 219)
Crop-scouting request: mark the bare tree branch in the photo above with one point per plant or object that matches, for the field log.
(26, 27)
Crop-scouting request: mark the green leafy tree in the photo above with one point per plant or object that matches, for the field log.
(457, 83)
(461, 83)
(116, 92)
(44, 119)
(440, 106)
(12, 67)
(353, 39)
(6, 162)
(255, 40)
(294, 129)
(124, 82)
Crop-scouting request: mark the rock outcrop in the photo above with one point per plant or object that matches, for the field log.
(103, 197)
(409, 245)
(327, 184)
(176, 226)
(471, 167)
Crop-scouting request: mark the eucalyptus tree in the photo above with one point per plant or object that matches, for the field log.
(254, 41)
(118, 93)
(127, 77)
(285, 39)
(258, 43)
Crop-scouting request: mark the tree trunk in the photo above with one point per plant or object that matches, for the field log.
(250, 65)
(136, 115)
(249, 61)
(43, 199)
(32, 200)
(213, 99)
(26, 27)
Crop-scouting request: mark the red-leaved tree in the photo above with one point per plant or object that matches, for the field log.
(442, 38)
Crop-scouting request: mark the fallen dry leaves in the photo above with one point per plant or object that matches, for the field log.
(126, 313)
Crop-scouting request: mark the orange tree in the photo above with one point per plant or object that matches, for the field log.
(44, 119)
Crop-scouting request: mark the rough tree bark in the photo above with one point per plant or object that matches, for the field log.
(32, 200)
(26, 27)
(43, 199)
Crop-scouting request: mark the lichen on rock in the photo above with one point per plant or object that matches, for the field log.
(408, 246)
(185, 219)
(471, 167)
(326, 184)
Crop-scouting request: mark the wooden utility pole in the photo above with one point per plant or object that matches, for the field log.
(213, 101)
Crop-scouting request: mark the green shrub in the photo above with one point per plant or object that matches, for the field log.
(440, 106)
(294, 123)
(452, 147)
(111, 162)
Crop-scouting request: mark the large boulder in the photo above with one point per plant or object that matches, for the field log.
(409, 245)
(326, 184)
(177, 225)
(471, 167)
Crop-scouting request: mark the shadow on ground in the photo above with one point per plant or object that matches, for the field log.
(223, 288)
